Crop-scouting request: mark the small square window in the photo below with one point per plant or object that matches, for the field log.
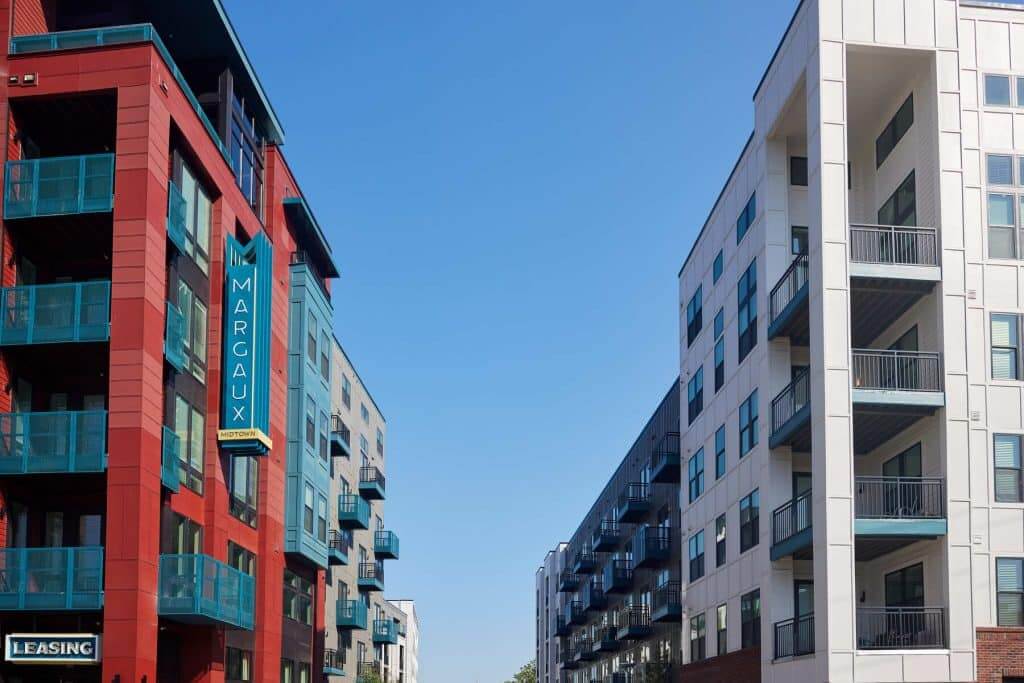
(997, 90)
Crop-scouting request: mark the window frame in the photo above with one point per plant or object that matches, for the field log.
(746, 311)
(695, 475)
(242, 497)
(750, 520)
(996, 468)
(1015, 328)
(721, 540)
(798, 171)
(1018, 591)
(694, 315)
(695, 395)
(698, 638)
(749, 423)
(717, 266)
(695, 553)
(750, 619)
(746, 218)
(894, 131)
(720, 453)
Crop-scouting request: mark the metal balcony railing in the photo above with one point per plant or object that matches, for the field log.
(340, 540)
(385, 631)
(592, 594)
(371, 571)
(618, 576)
(350, 614)
(891, 370)
(53, 442)
(568, 581)
(790, 519)
(900, 498)
(370, 475)
(199, 587)
(794, 637)
(42, 314)
(353, 511)
(894, 245)
(634, 616)
(385, 544)
(340, 430)
(667, 595)
(334, 661)
(901, 628)
(791, 400)
(788, 286)
(606, 537)
(51, 578)
(55, 186)
(653, 544)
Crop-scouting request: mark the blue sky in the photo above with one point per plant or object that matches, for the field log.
(510, 189)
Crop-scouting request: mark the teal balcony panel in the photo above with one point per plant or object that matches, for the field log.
(339, 545)
(385, 631)
(171, 452)
(53, 442)
(334, 662)
(198, 589)
(59, 186)
(174, 338)
(353, 512)
(351, 615)
(371, 576)
(371, 483)
(177, 209)
(341, 438)
(385, 545)
(48, 579)
(50, 314)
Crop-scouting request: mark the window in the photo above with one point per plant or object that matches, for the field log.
(1002, 225)
(798, 171)
(695, 394)
(696, 548)
(750, 513)
(748, 423)
(241, 559)
(186, 536)
(244, 484)
(324, 450)
(894, 132)
(1006, 455)
(694, 316)
(245, 148)
(346, 391)
(287, 673)
(798, 239)
(750, 619)
(364, 413)
(746, 218)
(321, 519)
(364, 449)
(310, 422)
(716, 267)
(1009, 591)
(195, 314)
(905, 587)
(721, 624)
(325, 358)
(237, 665)
(719, 322)
(746, 300)
(307, 508)
(697, 638)
(298, 598)
(197, 219)
(999, 169)
(189, 425)
(1005, 346)
(720, 452)
(720, 541)
(719, 365)
(311, 340)
(997, 90)
(901, 207)
(696, 475)
(380, 442)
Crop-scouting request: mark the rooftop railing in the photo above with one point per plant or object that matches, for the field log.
(894, 245)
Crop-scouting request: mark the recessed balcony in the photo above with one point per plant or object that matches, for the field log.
(353, 512)
(652, 546)
(562, 627)
(583, 650)
(174, 338)
(339, 545)
(568, 582)
(634, 623)
(592, 595)
(574, 613)
(586, 562)
(350, 615)
(371, 576)
(665, 462)
(385, 545)
(371, 483)
(901, 628)
(341, 438)
(58, 442)
(57, 313)
(197, 589)
(618, 576)
(334, 662)
(892, 390)
(170, 456)
(788, 312)
(791, 415)
(634, 502)
(794, 637)
(667, 603)
(893, 512)
(59, 186)
(46, 579)
(791, 529)
(606, 537)
(385, 631)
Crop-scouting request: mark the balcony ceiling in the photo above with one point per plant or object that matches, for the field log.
(877, 77)
(876, 303)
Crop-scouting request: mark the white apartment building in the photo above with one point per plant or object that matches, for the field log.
(408, 647)
(852, 316)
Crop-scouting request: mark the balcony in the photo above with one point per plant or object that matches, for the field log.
(574, 613)
(50, 314)
(567, 658)
(901, 628)
(334, 662)
(618, 576)
(794, 637)
(586, 562)
(592, 596)
(169, 458)
(665, 463)
(174, 338)
(371, 483)
(46, 579)
(568, 582)
(341, 438)
(634, 502)
(791, 415)
(606, 536)
(892, 512)
(634, 623)
(788, 311)
(652, 546)
(667, 603)
(353, 512)
(891, 391)
(385, 545)
(350, 615)
(385, 631)
(891, 268)
(583, 651)
(59, 186)
(562, 627)
(339, 544)
(791, 529)
(607, 640)
(371, 576)
(368, 672)
(64, 442)
(177, 208)
(197, 589)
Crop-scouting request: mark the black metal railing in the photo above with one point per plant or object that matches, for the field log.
(894, 245)
(794, 637)
(368, 668)
(900, 498)
(561, 625)
(606, 638)
(789, 285)
(568, 581)
(618, 574)
(607, 534)
(791, 518)
(334, 659)
(791, 400)
(583, 647)
(657, 542)
(339, 427)
(371, 570)
(667, 595)
(666, 451)
(593, 593)
(635, 616)
(339, 540)
(897, 370)
(370, 475)
(574, 612)
(634, 493)
(901, 628)
(585, 560)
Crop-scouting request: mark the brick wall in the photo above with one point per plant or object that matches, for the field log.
(1000, 654)
(742, 665)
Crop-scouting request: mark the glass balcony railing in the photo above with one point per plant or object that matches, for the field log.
(592, 595)
(652, 545)
(562, 627)
(174, 338)
(901, 628)
(47, 314)
(56, 186)
(51, 578)
(169, 458)
(618, 576)
(385, 631)
(351, 614)
(177, 209)
(385, 545)
(353, 512)
(575, 613)
(794, 637)
(198, 588)
(60, 441)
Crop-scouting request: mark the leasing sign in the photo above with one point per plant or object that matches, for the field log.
(52, 648)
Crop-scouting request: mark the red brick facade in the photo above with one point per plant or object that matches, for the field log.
(742, 665)
(1000, 654)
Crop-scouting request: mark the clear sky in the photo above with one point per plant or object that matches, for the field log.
(510, 189)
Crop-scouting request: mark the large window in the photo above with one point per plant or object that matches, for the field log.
(750, 514)
(246, 151)
(190, 426)
(695, 469)
(694, 316)
(720, 452)
(324, 428)
(798, 171)
(1006, 356)
(308, 503)
(241, 559)
(719, 350)
(237, 665)
(195, 313)
(746, 218)
(901, 207)
(1009, 591)
(698, 646)
(244, 484)
(746, 301)
(311, 330)
(721, 625)
(720, 541)
(1006, 456)
(696, 554)
(748, 423)
(750, 619)
(1004, 91)
(197, 219)
(298, 598)
(695, 394)
(894, 132)
(186, 536)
